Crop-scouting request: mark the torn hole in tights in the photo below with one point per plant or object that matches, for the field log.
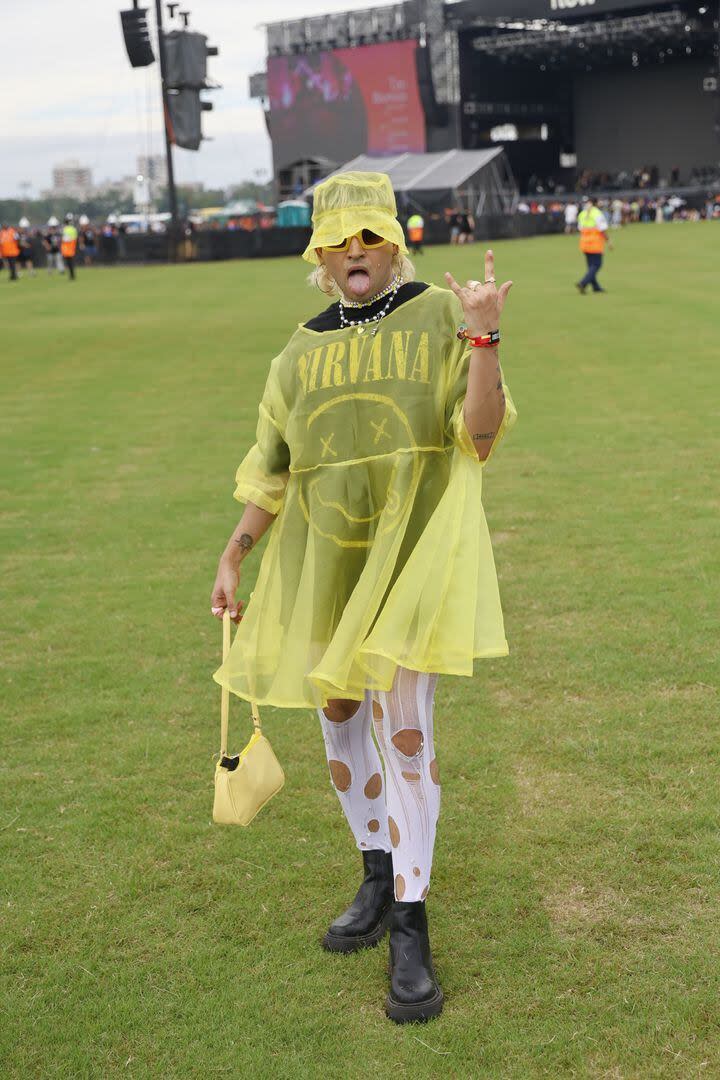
(408, 742)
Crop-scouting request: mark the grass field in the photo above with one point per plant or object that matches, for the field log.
(575, 903)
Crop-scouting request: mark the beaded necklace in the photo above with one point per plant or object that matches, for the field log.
(362, 323)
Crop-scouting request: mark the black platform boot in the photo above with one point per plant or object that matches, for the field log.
(414, 990)
(366, 920)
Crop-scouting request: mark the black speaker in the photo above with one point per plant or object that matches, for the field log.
(435, 115)
(137, 37)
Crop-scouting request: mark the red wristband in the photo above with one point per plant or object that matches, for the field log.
(487, 341)
(484, 341)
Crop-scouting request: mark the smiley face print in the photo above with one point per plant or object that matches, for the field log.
(361, 488)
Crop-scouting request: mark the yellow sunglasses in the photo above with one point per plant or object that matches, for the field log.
(367, 238)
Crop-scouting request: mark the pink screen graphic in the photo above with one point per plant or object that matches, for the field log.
(346, 102)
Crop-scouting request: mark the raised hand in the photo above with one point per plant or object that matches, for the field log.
(482, 302)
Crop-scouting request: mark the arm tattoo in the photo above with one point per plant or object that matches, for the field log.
(246, 541)
(485, 435)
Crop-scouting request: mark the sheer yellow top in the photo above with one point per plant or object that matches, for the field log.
(380, 555)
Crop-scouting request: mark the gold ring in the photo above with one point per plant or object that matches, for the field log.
(490, 281)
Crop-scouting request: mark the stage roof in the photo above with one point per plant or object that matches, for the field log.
(424, 172)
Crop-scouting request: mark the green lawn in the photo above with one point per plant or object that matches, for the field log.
(575, 907)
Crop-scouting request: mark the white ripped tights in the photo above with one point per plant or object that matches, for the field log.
(396, 812)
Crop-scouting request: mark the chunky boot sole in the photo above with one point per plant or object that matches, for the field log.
(339, 943)
(418, 1013)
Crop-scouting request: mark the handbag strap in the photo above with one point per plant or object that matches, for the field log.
(225, 696)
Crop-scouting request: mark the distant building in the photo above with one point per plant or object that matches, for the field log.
(122, 188)
(153, 167)
(72, 179)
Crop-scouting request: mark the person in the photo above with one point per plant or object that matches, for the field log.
(593, 227)
(10, 249)
(89, 245)
(68, 245)
(51, 243)
(456, 223)
(571, 216)
(467, 229)
(416, 230)
(376, 423)
(27, 252)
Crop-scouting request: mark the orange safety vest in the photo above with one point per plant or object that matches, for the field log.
(68, 243)
(592, 238)
(8, 244)
(415, 227)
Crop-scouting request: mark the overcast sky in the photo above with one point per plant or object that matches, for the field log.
(69, 90)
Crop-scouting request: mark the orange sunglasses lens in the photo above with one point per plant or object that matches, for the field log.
(367, 238)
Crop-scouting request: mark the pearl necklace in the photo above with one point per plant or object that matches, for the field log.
(396, 281)
(362, 323)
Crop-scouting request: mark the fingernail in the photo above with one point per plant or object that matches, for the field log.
(233, 614)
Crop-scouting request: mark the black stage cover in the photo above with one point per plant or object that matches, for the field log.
(467, 10)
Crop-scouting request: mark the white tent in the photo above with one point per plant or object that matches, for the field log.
(479, 181)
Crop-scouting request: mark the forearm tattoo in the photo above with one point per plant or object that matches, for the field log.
(245, 542)
(485, 435)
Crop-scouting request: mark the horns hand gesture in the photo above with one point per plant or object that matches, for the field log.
(482, 302)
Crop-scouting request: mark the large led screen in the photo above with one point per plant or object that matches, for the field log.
(345, 102)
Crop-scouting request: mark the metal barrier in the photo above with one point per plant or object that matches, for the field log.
(217, 245)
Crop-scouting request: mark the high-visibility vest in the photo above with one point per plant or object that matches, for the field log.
(8, 244)
(68, 244)
(415, 227)
(592, 237)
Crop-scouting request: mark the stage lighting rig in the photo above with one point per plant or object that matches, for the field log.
(183, 57)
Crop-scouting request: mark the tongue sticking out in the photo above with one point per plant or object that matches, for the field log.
(358, 282)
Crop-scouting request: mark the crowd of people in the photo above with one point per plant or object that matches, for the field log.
(57, 248)
(647, 178)
(628, 211)
(60, 248)
(20, 248)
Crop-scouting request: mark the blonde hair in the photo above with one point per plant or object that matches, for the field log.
(321, 278)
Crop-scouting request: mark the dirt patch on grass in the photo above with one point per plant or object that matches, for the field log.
(537, 791)
(692, 692)
(577, 907)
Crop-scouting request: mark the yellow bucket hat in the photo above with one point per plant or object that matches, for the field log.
(348, 202)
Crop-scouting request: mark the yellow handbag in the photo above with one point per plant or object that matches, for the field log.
(246, 781)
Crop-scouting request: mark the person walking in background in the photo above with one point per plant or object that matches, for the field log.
(68, 245)
(593, 227)
(416, 231)
(10, 249)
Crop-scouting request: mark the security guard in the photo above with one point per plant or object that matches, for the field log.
(68, 245)
(593, 227)
(415, 230)
(9, 248)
